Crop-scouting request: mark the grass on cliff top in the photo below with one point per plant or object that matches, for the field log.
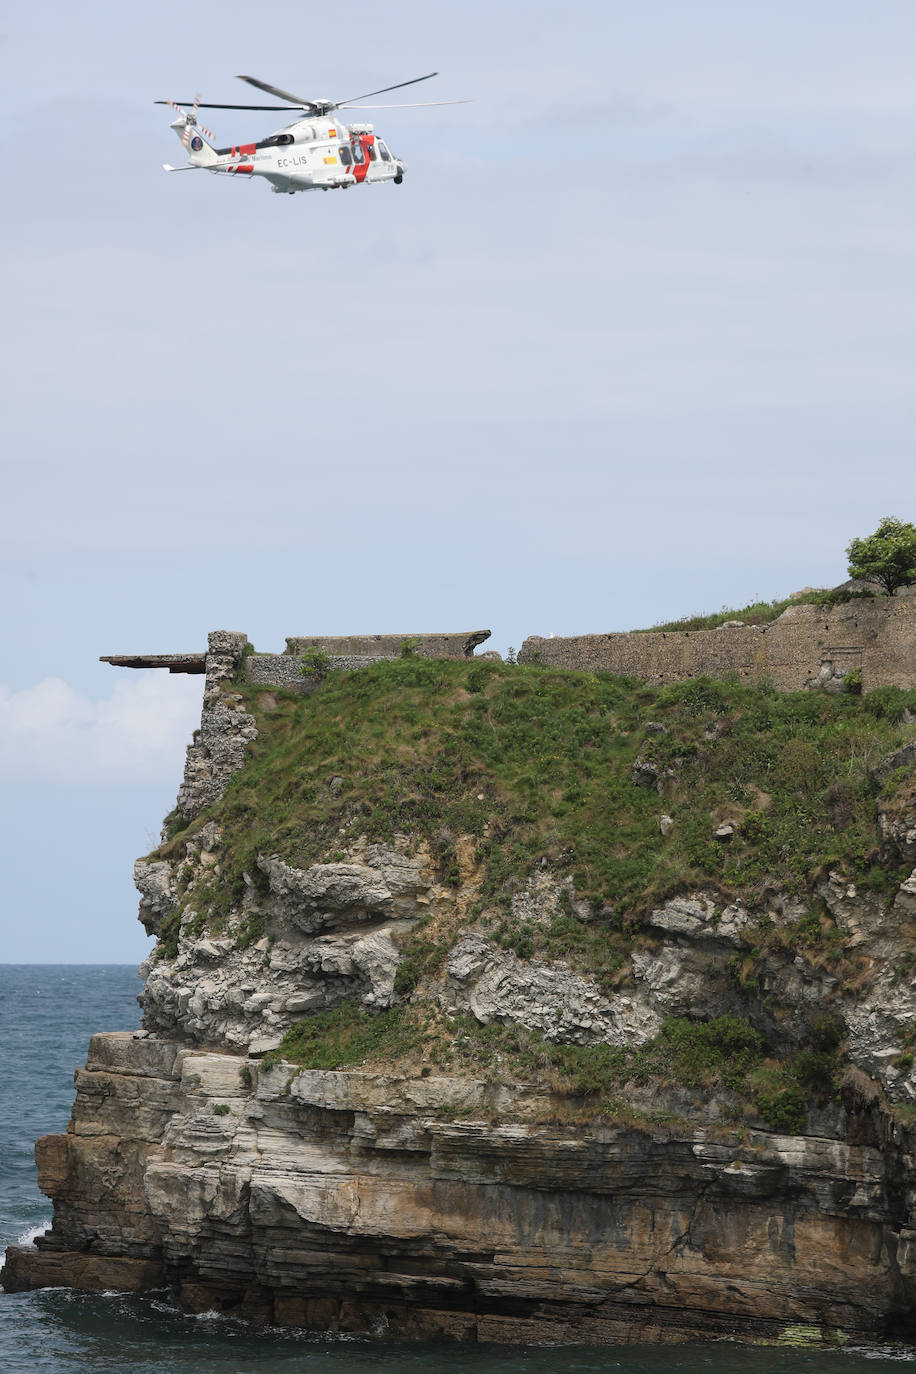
(759, 612)
(535, 765)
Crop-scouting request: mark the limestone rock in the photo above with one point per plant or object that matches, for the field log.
(905, 900)
(494, 985)
(157, 897)
(543, 897)
(701, 918)
(644, 772)
(859, 913)
(317, 896)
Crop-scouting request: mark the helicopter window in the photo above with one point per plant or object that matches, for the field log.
(386, 156)
(370, 152)
(359, 157)
(344, 155)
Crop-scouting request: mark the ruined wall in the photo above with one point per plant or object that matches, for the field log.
(285, 670)
(460, 645)
(219, 745)
(807, 646)
(218, 748)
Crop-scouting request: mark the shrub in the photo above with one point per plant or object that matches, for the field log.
(783, 1108)
(852, 682)
(315, 663)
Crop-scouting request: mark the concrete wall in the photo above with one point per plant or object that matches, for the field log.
(805, 647)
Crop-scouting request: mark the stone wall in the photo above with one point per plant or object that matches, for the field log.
(285, 670)
(460, 645)
(219, 746)
(806, 646)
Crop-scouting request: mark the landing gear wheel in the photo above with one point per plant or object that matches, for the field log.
(399, 178)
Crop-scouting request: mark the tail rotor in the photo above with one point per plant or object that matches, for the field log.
(191, 120)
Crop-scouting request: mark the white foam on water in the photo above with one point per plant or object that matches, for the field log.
(28, 1238)
(901, 1355)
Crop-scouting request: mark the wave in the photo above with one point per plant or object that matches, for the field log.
(29, 1236)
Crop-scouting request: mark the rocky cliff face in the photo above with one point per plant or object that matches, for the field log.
(569, 1121)
(447, 1206)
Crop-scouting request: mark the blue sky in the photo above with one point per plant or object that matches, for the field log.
(634, 339)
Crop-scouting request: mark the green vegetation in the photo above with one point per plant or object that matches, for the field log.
(852, 682)
(346, 1037)
(420, 954)
(759, 612)
(535, 765)
(888, 556)
(220, 1109)
(167, 937)
(315, 663)
(725, 1053)
(239, 675)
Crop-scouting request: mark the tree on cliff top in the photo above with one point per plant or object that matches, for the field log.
(888, 556)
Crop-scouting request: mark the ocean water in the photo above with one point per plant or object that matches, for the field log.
(47, 1013)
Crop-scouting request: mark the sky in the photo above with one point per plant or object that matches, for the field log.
(634, 340)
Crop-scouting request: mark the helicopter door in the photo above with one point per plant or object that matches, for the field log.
(360, 163)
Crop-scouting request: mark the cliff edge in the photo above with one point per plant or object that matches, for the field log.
(514, 1003)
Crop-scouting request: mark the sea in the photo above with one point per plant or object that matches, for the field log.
(47, 1014)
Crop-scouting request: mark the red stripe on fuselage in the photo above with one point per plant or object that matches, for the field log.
(361, 168)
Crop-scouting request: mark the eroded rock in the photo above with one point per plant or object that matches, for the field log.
(494, 985)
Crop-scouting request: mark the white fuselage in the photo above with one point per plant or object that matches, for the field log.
(314, 154)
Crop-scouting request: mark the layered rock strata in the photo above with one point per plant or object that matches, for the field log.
(452, 1207)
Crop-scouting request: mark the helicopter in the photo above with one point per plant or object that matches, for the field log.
(317, 152)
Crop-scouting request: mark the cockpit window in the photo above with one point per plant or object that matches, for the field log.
(386, 156)
(370, 152)
(345, 155)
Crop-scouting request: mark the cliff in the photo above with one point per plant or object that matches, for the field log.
(514, 1003)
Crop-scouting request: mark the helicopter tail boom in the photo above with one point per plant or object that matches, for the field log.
(193, 135)
(200, 154)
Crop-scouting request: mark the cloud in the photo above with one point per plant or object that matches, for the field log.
(51, 732)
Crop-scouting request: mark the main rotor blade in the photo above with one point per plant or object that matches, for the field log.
(275, 90)
(417, 105)
(206, 105)
(366, 94)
